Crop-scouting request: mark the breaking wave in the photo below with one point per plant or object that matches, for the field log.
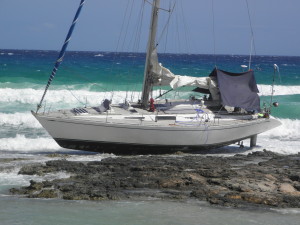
(19, 119)
(33, 96)
(288, 131)
(278, 90)
(22, 143)
(284, 139)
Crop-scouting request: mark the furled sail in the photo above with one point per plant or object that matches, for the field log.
(162, 76)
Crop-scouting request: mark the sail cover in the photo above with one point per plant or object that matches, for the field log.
(162, 76)
(234, 89)
(238, 89)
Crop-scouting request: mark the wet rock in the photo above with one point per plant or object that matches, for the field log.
(36, 169)
(261, 179)
(57, 155)
(8, 160)
(45, 193)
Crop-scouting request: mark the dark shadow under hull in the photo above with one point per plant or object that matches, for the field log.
(130, 149)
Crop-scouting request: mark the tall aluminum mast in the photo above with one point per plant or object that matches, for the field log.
(147, 85)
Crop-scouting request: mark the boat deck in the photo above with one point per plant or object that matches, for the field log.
(178, 113)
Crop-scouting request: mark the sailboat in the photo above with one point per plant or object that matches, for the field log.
(229, 112)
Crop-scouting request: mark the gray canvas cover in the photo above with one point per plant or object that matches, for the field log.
(238, 89)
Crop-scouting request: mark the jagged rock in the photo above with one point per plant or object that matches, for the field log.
(46, 193)
(260, 178)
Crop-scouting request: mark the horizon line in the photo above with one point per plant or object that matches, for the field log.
(171, 53)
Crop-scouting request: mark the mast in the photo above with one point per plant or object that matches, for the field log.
(151, 46)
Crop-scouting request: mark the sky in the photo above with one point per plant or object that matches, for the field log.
(212, 26)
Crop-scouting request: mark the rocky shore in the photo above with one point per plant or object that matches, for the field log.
(257, 179)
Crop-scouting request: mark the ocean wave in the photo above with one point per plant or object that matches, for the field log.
(33, 96)
(288, 131)
(22, 143)
(13, 178)
(284, 139)
(19, 119)
(266, 90)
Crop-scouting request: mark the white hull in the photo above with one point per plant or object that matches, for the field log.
(97, 134)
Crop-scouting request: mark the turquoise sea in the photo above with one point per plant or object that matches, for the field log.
(86, 78)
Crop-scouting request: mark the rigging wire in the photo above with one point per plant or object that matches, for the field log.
(118, 43)
(213, 31)
(150, 3)
(167, 33)
(186, 29)
(165, 29)
(252, 36)
(177, 33)
(75, 73)
(127, 25)
(69, 89)
(136, 42)
(122, 27)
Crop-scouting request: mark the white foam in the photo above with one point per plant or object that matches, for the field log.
(32, 96)
(288, 131)
(90, 157)
(13, 178)
(284, 139)
(19, 119)
(22, 143)
(287, 211)
(266, 90)
(25, 96)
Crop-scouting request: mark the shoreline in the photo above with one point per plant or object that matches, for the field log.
(259, 179)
